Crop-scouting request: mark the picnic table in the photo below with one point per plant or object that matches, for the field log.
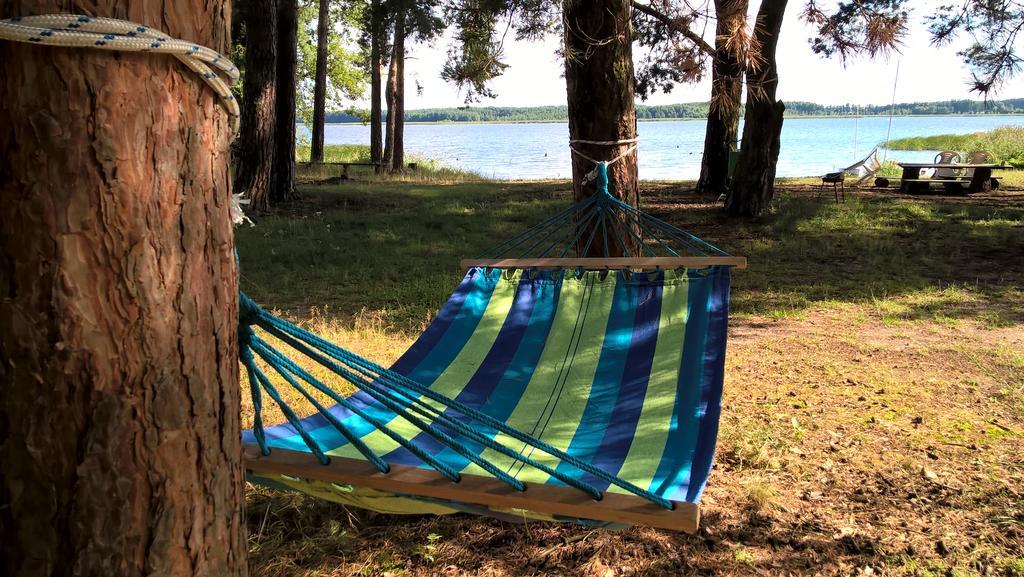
(980, 179)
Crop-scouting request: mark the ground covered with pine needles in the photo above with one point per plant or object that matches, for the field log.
(874, 404)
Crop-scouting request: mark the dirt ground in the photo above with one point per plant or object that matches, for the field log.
(854, 441)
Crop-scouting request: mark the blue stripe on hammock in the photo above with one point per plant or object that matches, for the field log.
(620, 430)
(714, 375)
(607, 379)
(507, 392)
(555, 394)
(674, 470)
(484, 380)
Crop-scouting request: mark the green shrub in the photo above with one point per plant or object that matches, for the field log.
(1005, 144)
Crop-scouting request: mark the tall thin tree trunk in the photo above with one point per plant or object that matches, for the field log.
(754, 182)
(376, 56)
(726, 89)
(119, 397)
(284, 143)
(390, 97)
(316, 153)
(256, 147)
(398, 56)
(600, 88)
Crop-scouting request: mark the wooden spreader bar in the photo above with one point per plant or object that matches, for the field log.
(475, 489)
(633, 263)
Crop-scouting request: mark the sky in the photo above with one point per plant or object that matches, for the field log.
(534, 76)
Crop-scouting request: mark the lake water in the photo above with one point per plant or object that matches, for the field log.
(668, 149)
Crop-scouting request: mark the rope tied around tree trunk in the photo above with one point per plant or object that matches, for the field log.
(81, 31)
(635, 142)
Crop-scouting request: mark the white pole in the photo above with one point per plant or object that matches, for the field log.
(892, 107)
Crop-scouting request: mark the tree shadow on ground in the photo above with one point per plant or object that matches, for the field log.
(297, 535)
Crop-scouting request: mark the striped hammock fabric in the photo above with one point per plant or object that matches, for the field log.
(622, 370)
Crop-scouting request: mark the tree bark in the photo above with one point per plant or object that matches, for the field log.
(255, 161)
(600, 89)
(283, 188)
(376, 56)
(390, 98)
(398, 56)
(389, 94)
(754, 183)
(119, 395)
(726, 89)
(316, 153)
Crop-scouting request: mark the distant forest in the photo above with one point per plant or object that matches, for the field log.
(695, 110)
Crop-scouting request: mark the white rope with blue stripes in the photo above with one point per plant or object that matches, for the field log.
(73, 30)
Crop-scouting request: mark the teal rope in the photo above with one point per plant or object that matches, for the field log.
(256, 313)
(445, 470)
(490, 443)
(380, 393)
(244, 336)
(271, 357)
(544, 239)
(270, 323)
(398, 409)
(602, 179)
(289, 414)
(566, 231)
(556, 223)
(581, 228)
(593, 234)
(668, 227)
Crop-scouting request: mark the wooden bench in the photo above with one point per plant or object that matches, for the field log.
(959, 185)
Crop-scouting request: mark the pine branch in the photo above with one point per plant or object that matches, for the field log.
(674, 25)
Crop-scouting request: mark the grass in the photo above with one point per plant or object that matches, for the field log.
(1006, 144)
(337, 153)
(915, 259)
(419, 169)
(875, 376)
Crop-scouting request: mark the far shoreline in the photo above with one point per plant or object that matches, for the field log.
(685, 119)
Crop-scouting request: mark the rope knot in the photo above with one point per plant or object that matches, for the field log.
(248, 312)
(602, 178)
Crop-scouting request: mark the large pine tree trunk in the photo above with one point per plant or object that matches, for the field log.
(284, 141)
(390, 94)
(256, 147)
(316, 153)
(600, 88)
(398, 56)
(119, 397)
(376, 56)
(726, 89)
(754, 182)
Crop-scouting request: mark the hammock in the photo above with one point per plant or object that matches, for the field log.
(542, 390)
